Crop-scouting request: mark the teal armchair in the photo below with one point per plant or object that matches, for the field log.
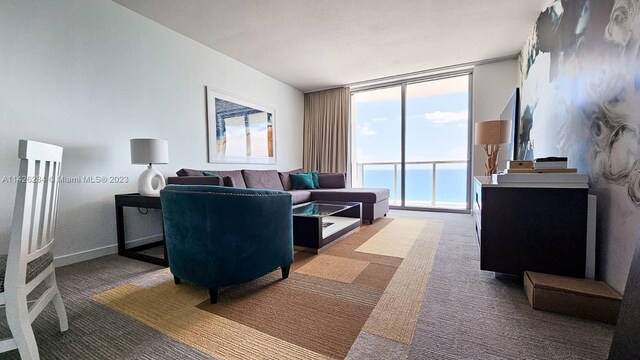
(219, 236)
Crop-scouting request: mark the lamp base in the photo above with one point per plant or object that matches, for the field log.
(151, 182)
(491, 166)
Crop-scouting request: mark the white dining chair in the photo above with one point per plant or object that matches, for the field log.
(30, 262)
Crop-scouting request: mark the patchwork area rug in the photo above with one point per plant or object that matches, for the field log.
(372, 281)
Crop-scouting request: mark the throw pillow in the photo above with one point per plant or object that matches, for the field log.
(316, 179)
(209, 173)
(302, 181)
(332, 180)
(284, 178)
(189, 172)
(228, 181)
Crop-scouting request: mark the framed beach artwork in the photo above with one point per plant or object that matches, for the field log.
(239, 131)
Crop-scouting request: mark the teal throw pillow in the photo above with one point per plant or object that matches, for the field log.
(303, 181)
(316, 179)
(209, 173)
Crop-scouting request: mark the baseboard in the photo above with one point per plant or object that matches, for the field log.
(69, 259)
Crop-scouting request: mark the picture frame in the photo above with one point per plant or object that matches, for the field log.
(239, 131)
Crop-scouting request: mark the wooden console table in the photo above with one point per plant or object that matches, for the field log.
(138, 201)
(531, 227)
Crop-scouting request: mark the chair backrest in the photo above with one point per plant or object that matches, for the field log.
(223, 235)
(34, 213)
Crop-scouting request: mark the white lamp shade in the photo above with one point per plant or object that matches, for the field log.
(149, 151)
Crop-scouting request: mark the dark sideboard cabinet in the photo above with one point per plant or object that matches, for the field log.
(525, 227)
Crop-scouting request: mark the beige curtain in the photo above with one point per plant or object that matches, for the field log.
(326, 130)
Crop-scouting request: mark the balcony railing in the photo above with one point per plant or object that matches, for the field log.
(397, 165)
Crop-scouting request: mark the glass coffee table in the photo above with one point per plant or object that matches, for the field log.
(319, 223)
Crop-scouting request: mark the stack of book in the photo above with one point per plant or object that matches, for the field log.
(550, 163)
(540, 166)
(543, 170)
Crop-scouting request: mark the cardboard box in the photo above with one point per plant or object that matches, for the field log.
(520, 164)
(584, 298)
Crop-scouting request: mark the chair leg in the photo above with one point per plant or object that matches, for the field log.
(213, 295)
(20, 326)
(58, 304)
(177, 280)
(285, 271)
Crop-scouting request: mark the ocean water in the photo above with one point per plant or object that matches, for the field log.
(451, 183)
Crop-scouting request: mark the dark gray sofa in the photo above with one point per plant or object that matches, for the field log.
(375, 202)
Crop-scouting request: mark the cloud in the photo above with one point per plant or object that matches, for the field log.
(366, 130)
(447, 117)
(380, 119)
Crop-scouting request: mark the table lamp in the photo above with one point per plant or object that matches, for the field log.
(150, 151)
(491, 134)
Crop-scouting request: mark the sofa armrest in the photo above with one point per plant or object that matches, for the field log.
(332, 180)
(195, 180)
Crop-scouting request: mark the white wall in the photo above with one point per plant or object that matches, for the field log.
(89, 75)
(493, 85)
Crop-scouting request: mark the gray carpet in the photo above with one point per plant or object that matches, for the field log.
(469, 314)
(95, 332)
(466, 314)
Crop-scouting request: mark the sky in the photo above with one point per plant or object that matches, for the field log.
(437, 122)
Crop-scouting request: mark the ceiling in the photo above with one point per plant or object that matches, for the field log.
(319, 44)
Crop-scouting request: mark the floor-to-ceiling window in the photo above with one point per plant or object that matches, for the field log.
(377, 139)
(413, 138)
